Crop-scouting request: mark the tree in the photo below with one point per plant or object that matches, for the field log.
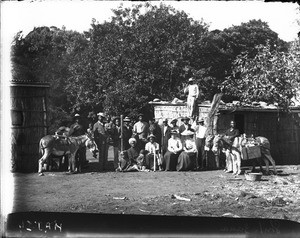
(44, 56)
(145, 52)
(271, 76)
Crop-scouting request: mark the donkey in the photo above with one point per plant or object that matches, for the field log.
(60, 146)
(233, 152)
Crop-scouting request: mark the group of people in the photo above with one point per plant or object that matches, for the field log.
(149, 146)
(145, 146)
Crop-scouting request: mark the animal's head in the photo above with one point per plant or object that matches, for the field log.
(91, 144)
(209, 142)
(217, 143)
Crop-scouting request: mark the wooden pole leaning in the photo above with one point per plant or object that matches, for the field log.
(122, 139)
(154, 164)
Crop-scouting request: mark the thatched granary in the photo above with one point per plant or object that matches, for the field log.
(29, 123)
(280, 127)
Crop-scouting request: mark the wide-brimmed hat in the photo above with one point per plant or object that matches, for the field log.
(191, 79)
(185, 118)
(187, 133)
(127, 119)
(101, 114)
(175, 132)
(174, 120)
(131, 140)
(76, 115)
(140, 114)
(201, 119)
(151, 135)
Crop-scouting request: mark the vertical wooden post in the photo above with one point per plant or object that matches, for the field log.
(154, 166)
(122, 125)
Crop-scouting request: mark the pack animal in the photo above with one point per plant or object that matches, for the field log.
(233, 153)
(61, 146)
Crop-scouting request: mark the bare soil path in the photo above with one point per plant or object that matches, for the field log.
(209, 193)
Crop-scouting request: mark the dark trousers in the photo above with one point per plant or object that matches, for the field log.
(200, 143)
(102, 146)
(80, 157)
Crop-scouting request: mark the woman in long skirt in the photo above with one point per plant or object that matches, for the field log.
(174, 149)
(187, 158)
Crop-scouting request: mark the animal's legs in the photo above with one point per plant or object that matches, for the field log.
(238, 162)
(217, 159)
(234, 163)
(228, 161)
(42, 161)
(270, 158)
(72, 162)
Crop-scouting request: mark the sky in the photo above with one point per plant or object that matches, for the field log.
(77, 15)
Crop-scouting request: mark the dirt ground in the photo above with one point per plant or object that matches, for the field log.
(208, 193)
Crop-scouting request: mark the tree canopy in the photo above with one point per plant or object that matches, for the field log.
(271, 76)
(142, 53)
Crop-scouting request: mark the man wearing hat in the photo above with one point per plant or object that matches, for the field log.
(140, 129)
(193, 93)
(127, 132)
(170, 158)
(154, 129)
(116, 139)
(152, 150)
(165, 136)
(200, 130)
(100, 135)
(76, 129)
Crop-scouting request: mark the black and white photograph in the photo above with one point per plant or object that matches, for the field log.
(150, 118)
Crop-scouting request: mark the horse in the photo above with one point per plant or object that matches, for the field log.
(234, 152)
(60, 146)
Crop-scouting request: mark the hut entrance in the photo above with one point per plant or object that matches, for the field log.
(240, 122)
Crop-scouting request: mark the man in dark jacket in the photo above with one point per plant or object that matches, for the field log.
(232, 132)
(116, 138)
(165, 136)
(155, 129)
(127, 132)
(101, 136)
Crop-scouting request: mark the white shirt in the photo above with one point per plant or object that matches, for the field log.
(139, 127)
(152, 148)
(193, 90)
(190, 146)
(174, 145)
(200, 131)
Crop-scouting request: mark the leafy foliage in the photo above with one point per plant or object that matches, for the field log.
(271, 76)
(143, 52)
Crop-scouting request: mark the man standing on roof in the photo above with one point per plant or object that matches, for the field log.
(101, 135)
(76, 129)
(193, 93)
